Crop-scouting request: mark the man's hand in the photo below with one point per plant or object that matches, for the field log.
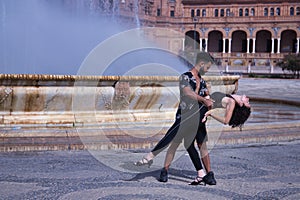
(208, 102)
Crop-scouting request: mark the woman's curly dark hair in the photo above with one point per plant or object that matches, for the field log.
(239, 116)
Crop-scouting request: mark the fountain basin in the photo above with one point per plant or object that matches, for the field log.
(49, 112)
(56, 100)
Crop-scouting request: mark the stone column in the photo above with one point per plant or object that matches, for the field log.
(278, 46)
(229, 43)
(297, 51)
(254, 45)
(272, 51)
(200, 43)
(206, 44)
(183, 44)
(224, 43)
(248, 44)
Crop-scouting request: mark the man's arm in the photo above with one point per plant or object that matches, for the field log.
(194, 96)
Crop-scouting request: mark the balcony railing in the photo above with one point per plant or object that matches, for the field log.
(238, 20)
(220, 55)
(211, 20)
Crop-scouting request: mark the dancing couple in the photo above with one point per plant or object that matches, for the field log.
(194, 108)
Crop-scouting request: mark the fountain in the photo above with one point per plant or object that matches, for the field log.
(102, 94)
(76, 85)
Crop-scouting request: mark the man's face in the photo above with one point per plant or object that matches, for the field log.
(204, 67)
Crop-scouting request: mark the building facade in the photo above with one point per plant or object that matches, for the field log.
(235, 32)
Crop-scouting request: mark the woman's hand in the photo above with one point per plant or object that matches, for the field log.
(208, 113)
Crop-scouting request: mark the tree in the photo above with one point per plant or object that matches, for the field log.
(291, 62)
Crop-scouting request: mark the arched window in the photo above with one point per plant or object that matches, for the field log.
(216, 12)
(246, 12)
(198, 12)
(222, 14)
(158, 12)
(298, 11)
(192, 13)
(204, 13)
(272, 12)
(278, 11)
(240, 12)
(227, 12)
(266, 12)
(172, 12)
(252, 12)
(292, 11)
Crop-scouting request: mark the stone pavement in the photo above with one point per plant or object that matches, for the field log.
(259, 167)
(242, 172)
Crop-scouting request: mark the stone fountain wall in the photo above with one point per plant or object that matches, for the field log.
(48, 112)
(53, 100)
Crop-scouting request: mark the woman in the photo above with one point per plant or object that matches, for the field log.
(237, 109)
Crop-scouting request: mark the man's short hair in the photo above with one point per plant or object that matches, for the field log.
(204, 57)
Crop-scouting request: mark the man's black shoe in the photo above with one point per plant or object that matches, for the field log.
(163, 175)
(209, 178)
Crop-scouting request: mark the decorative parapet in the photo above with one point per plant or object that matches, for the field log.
(55, 99)
(56, 80)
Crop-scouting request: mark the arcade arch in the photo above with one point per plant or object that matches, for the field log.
(263, 41)
(192, 40)
(215, 41)
(288, 41)
(241, 41)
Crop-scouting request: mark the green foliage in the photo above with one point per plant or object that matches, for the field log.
(291, 62)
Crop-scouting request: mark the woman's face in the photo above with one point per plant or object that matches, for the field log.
(245, 101)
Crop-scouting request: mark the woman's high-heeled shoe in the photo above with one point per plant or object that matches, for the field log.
(144, 161)
(198, 180)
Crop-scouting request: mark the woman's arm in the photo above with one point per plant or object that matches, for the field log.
(228, 113)
(213, 113)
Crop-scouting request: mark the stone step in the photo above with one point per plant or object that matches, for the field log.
(72, 139)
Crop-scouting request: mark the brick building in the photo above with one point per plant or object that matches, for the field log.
(237, 32)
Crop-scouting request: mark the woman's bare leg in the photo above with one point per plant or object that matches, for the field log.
(205, 156)
(170, 154)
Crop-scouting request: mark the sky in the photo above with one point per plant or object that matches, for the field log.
(38, 37)
(45, 37)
